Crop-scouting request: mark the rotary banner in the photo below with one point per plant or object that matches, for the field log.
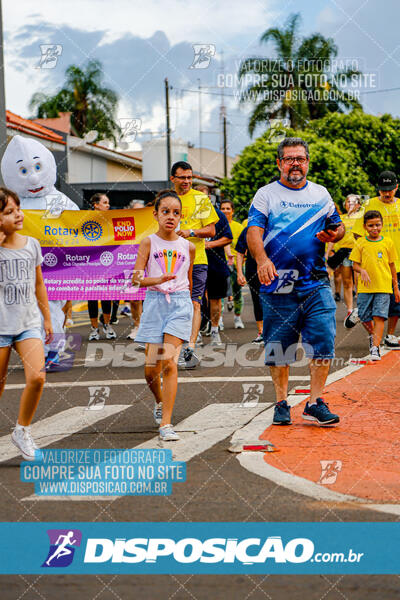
(87, 254)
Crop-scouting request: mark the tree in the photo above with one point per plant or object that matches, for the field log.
(92, 105)
(297, 85)
(333, 164)
(374, 141)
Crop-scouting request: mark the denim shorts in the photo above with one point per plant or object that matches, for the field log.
(160, 316)
(372, 305)
(9, 340)
(394, 307)
(310, 314)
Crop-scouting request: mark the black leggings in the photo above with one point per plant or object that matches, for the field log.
(254, 285)
(93, 308)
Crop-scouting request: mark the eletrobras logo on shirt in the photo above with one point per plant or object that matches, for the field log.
(287, 204)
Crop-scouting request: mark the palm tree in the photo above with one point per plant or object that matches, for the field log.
(92, 105)
(297, 85)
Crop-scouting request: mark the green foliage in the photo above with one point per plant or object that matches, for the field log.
(374, 141)
(92, 105)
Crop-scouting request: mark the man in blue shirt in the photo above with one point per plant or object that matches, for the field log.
(290, 221)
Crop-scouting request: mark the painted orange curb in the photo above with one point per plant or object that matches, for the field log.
(365, 444)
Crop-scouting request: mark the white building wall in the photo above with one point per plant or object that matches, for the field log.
(87, 168)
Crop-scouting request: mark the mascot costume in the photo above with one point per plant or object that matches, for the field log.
(29, 169)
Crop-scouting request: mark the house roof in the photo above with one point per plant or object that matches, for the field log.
(30, 127)
(61, 123)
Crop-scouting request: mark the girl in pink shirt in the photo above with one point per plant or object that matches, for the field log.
(166, 321)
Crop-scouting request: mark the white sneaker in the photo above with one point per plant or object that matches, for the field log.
(374, 353)
(351, 319)
(110, 333)
(132, 334)
(22, 438)
(167, 434)
(221, 324)
(157, 412)
(199, 341)
(215, 339)
(238, 322)
(94, 334)
(391, 341)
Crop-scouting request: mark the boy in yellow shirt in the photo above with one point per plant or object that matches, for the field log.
(374, 259)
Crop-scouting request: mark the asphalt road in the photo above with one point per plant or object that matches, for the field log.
(217, 487)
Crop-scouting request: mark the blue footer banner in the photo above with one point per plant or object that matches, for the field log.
(209, 548)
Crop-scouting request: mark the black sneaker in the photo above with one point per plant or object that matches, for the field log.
(337, 297)
(391, 341)
(282, 413)
(188, 359)
(320, 413)
(374, 353)
(370, 341)
(191, 359)
(352, 319)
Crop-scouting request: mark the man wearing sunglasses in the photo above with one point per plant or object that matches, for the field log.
(290, 221)
(197, 223)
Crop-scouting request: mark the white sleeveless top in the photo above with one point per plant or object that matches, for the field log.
(169, 257)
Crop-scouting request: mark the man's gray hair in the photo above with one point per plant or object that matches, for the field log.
(292, 141)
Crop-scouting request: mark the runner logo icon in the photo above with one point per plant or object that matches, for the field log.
(62, 547)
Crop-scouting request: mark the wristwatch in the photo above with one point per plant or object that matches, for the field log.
(192, 233)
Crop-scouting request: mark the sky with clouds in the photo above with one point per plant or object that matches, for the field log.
(141, 43)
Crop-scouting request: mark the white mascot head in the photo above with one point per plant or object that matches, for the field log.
(28, 168)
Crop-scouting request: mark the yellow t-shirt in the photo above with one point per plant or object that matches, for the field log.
(236, 229)
(391, 222)
(347, 240)
(197, 212)
(375, 258)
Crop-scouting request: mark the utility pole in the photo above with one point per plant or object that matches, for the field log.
(200, 131)
(222, 108)
(225, 149)
(168, 129)
(223, 119)
(3, 120)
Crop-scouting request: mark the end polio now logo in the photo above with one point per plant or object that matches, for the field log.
(62, 547)
(124, 228)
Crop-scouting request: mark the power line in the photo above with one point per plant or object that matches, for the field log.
(204, 92)
(381, 91)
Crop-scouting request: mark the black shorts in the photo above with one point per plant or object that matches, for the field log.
(217, 285)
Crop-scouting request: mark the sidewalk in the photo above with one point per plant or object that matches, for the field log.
(366, 442)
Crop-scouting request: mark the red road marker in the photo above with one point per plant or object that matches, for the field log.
(253, 446)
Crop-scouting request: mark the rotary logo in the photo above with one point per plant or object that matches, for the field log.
(106, 258)
(92, 230)
(50, 259)
(124, 228)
